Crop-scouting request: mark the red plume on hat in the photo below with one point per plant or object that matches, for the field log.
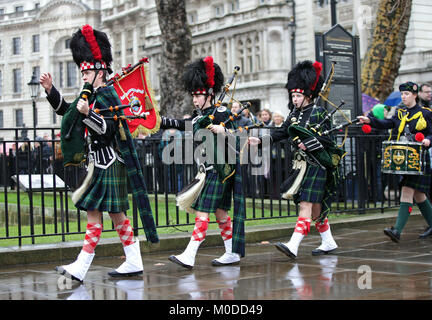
(305, 77)
(88, 34)
(318, 68)
(210, 71)
(91, 49)
(202, 75)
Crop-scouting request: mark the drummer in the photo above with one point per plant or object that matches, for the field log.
(411, 123)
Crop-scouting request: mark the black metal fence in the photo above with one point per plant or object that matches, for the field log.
(41, 207)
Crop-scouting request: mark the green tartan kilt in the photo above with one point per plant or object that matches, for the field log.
(214, 195)
(107, 191)
(419, 182)
(313, 185)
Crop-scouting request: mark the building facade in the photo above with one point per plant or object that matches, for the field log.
(263, 37)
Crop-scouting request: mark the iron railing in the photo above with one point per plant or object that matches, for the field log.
(29, 212)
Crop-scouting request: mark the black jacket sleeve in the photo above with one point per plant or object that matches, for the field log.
(57, 102)
(280, 133)
(179, 124)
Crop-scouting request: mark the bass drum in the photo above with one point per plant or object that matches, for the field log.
(402, 158)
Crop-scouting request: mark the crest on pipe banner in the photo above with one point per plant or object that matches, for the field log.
(132, 85)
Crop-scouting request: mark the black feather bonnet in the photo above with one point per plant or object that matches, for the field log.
(91, 49)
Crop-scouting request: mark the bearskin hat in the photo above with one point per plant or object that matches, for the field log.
(305, 78)
(203, 76)
(91, 49)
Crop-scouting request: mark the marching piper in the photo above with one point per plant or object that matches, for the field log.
(217, 182)
(111, 157)
(313, 183)
(411, 123)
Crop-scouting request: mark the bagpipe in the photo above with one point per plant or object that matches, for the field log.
(207, 121)
(226, 170)
(72, 142)
(186, 197)
(321, 148)
(137, 107)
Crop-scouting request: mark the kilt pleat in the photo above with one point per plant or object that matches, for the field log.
(419, 182)
(313, 186)
(107, 191)
(214, 195)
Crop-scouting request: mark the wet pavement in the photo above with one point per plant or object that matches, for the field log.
(367, 265)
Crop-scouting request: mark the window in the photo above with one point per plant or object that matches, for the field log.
(1, 83)
(17, 86)
(234, 5)
(193, 17)
(36, 47)
(71, 74)
(19, 119)
(36, 71)
(60, 74)
(37, 6)
(19, 9)
(219, 10)
(67, 43)
(1, 53)
(2, 11)
(1, 119)
(16, 44)
(322, 3)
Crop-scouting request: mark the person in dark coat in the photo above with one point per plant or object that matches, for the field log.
(410, 122)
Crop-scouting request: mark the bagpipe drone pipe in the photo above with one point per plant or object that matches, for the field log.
(226, 119)
(225, 170)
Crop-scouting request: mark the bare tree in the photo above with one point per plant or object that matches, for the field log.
(382, 61)
(176, 53)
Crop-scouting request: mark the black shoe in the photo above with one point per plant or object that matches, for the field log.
(116, 274)
(216, 263)
(283, 248)
(175, 260)
(60, 270)
(393, 234)
(319, 252)
(427, 233)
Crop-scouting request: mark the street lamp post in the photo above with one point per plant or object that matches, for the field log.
(292, 30)
(292, 26)
(34, 93)
(333, 12)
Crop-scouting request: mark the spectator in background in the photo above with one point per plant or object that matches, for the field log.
(266, 117)
(57, 162)
(258, 116)
(25, 160)
(153, 163)
(425, 95)
(173, 170)
(278, 119)
(278, 151)
(41, 155)
(241, 120)
(264, 185)
(247, 114)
